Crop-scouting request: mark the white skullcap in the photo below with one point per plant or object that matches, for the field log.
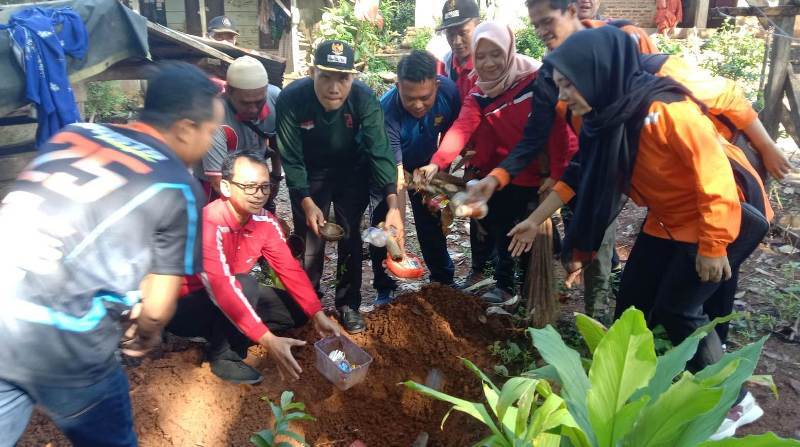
(247, 73)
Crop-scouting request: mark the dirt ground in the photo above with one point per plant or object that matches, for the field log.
(178, 402)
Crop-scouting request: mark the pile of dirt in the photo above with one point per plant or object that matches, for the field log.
(178, 402)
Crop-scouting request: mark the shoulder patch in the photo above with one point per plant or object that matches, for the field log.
(652, 118)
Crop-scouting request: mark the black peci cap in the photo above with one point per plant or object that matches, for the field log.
(458, 12)
(335, 55)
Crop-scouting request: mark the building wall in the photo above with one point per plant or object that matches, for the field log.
(243, 12)
(640, 12)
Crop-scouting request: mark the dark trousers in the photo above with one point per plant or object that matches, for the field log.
(198, 316)
(432, 242)
(349, 197)
(660, 279)
(507, 208)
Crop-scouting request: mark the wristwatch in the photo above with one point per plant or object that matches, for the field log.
(276, 178)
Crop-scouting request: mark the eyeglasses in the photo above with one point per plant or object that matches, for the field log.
(251, 189)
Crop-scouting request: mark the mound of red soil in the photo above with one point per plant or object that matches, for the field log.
(178, 402)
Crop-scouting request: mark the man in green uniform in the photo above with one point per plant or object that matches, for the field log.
(334, 146)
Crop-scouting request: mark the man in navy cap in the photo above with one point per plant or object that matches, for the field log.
(333, 144)
(223, 29)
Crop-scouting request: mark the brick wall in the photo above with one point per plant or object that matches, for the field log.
(641, 12)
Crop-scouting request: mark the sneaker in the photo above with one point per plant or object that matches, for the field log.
(232, 369)
(745, 412)
(473, 278)
(385, 296)
(351, 320)
(496, 296)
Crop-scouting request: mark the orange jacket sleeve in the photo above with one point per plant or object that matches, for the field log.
(697, 143)
(459, 134)
(646, 46)
(721, 95)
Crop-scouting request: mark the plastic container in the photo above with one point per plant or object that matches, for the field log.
(354, 354)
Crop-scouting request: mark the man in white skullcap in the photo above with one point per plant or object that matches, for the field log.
(249, 124)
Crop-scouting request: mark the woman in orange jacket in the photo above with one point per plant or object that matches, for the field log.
(648, 138)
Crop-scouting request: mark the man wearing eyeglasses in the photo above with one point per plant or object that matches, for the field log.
(227, 306)
(249, 124)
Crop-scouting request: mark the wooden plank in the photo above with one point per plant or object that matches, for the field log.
(203, 22)
(776, 80)
(186, 40)
(750, 11)
(791, 122)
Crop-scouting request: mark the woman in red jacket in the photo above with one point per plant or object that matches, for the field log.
(493, 117)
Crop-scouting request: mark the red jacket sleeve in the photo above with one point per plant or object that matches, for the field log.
(561, 147)
(224, 288)
(459, 134)
(289, 271)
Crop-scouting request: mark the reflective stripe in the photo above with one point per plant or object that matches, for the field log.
(141, 199)
(36, 313)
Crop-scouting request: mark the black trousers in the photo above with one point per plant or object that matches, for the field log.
(507, 208)
(660, 279)
(198, 316)
(432, 242)
(349, 197)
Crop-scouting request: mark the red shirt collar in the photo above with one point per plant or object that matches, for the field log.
(222, 214)
(468, 66)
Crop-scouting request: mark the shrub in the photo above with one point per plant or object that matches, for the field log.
(106, 102)
(528, 43)
(421, 39)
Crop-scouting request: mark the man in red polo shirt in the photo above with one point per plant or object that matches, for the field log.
(459, 19)
(226, 305)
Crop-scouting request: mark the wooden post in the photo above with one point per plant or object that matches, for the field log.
(295, 42)
(203, 23)
(699, 13)
(776, 81)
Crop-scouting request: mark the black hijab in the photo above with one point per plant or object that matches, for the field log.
(604, 66)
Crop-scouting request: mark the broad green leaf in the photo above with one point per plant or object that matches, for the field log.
(702, 428)
(764, 440)
(293, 435)
(276, 411)
(662, 423)
(706, 329)
(511, 392)
(295, 406)
(525, 404)
(286, 398)
(627, 417)
(545, 417)
(471, 366)
(669, 366)
(591, 330)
(624, 361)
(299, 417)
(493, 441)
(766, 381)
(264, 438)
(545, 440)
(573, 379)
(474, 409)
(547, 372)
(491, 398)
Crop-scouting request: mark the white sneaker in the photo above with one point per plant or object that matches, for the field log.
(746, 412)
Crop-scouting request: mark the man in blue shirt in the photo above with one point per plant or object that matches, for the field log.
(419, 109)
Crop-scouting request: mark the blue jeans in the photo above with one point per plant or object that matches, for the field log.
(98, 415)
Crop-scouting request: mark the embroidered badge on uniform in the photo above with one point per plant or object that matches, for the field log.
(437, 120)
(348, 120)
(307, 125)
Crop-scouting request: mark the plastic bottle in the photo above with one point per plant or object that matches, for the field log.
(375, 236)
(477, 211)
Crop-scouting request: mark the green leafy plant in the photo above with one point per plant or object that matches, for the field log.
(106, 101)
(512, 357)
(528, 43)
(525, 412)
(287, 412)
(340, 22)
(631, 397)
(734, 52)
(421, 38)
